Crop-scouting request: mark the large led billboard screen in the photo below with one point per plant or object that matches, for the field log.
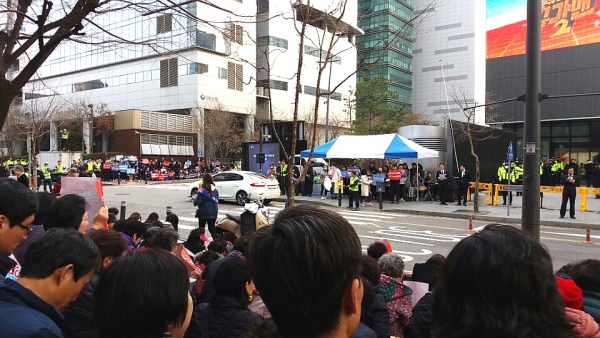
(565, 23)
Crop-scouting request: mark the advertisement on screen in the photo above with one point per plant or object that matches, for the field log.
(271, 151)
(565, 23)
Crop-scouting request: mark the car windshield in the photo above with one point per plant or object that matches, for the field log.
(258, 176)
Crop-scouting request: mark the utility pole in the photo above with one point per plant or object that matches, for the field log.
(532, 130)
(90, 146)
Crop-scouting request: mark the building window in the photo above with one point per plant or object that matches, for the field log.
(205, 40)
(223, 73)
(273, 41)
(164, 23)
(280, 85)
(235, 76)
(236, 33)
(88, 85)
(198, 68)
(168, 72)
(322, 54)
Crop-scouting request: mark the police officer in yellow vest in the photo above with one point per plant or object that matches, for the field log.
(97, 167)
(353, 190)
(90, 166)
(47, 177)
(503, 179)
(518, 168)
(64, 140)
(59, 168)
(10, 163)
(282, 171)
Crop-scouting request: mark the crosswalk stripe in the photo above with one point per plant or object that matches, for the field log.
(364, 214)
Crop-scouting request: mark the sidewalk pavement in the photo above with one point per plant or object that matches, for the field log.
(549, 214)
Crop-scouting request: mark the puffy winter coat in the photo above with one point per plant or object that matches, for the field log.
(79, 315)
(377, 317)
(207, 208)
(584, 325)
(419, 325)
(591, 304)
(224, 316)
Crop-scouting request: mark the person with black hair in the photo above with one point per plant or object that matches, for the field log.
(376, 250)
(226, 314)
(240, 247)
(135, 216)
(144, 294)
(586, 275)
(69, 211)
(498, 282)
(56, 268)
(207, 201)
(18, 206)
(114, 210)
(374, 313)
(45, 199)
(306, 268)
(133, 233)
(425, 272)
(151, 218)
(174, 220)
(165, 239)
(219, 246)
(193, 243)
(79, 316)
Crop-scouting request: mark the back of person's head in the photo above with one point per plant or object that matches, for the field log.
(194, 235)
(110, 243)
(135, 216)
(370, 269)
(231, 279)
(498, 280)
(218, 245)
(392, 265)
(156, 224)
(113, 210)
(437, 259)
(142, 294)
(151, 218)
(165, 239)
(229, 236)
(263, 329)
(17, 203)
(174, 220)
(311, 258)
(134, 227)
(241, 244)
(206, 258)
(58, 248)
(586, 274)
(376, 250)
(45, 199)
(66, 212)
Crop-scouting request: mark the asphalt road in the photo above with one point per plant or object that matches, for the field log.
(415, 237)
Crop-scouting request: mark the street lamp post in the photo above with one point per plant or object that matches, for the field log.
(449, 116)
(91, 129)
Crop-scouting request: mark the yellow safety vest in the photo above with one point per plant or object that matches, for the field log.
(64, 136)
(10, 162)
(59, 169)
(97, 166)
(283, 169)
(46, 173)
(90, 166)
(503, 175)
(353, 180)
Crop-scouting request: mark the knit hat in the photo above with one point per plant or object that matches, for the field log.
(232, 276)
(570, 292)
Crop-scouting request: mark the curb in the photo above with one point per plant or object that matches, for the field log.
(476, 217)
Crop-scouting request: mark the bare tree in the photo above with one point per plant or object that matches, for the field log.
(223, 132)
(472, 132)
(105, 124)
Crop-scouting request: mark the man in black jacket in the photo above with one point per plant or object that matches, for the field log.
(570, 181)
(464, 178)
(442, 177)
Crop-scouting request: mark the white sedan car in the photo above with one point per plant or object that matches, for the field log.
(241, 187)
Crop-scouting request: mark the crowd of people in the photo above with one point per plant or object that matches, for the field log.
(303, 276)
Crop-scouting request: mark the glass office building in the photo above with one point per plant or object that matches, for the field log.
(387, 43)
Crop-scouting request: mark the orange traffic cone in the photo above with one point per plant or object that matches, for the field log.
(471, 222)
(387, 245)
(588, 240)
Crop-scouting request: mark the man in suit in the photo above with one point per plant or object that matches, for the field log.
(464, 178)
(442, 178)
(570, 181)
(21, 177)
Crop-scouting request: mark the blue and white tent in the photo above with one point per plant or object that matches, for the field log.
(371, 146)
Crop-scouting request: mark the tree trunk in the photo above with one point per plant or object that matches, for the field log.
(105, 143)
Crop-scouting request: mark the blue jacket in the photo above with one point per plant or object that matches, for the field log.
(207, 208)
(591, 304)
(24, 315)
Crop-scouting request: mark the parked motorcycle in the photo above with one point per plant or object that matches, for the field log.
(254, 217)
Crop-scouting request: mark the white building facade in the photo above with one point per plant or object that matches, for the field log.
(449, 35)
(197, 57)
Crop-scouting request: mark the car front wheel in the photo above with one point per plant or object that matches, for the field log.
(241, 197)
